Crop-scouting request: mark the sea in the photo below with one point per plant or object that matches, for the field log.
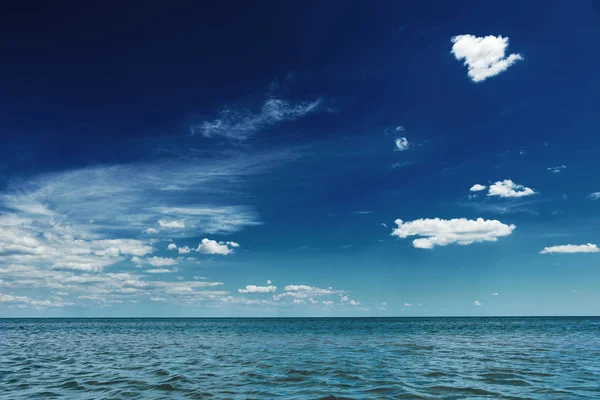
(301, 358)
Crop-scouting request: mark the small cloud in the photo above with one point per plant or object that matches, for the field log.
(208, 246)
(595, 196)
(354, 303)
(484, 56)
(171, 224)
(507, 188)
(522, 152)
(327, 302)
(158, 299)
(151, 231)
(477, 303)
(399, 128)
(556, 170)
(477, 188)
(172, 246)
(159, 271)
(407, 304)
(184, 250)
(571, 248)
(161, 261)
(401, 144)
(258, 289)
(384, 224)
(495, 294)
(363, 212)
(268, 282)
(298, 301)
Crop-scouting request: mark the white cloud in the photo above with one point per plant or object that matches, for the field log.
(557, 169)
(151, 231)
(402, 144)
(477, 188)
(495, 294)
(571, 248)
(304, 292)
(399, 128)
(327, 302)
(354, 303)
(258, 289)
(407, 304)
(477, 303)
(241, 124)
(312, 301)
(158, 299)
(161, 261)
(595, 196)
(441, 232)
(208, 246)
(484, 56)
(269, 282)
(184, 250)
(298, 301)
(172, 246)
(171, 224)
(159, 271)
(508, 188)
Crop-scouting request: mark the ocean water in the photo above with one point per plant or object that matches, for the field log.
(362, 358)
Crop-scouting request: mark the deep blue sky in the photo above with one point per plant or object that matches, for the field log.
(270, 129)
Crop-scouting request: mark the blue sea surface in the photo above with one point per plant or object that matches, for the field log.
(304, 358)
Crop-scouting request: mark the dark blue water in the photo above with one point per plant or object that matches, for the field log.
(404, 358)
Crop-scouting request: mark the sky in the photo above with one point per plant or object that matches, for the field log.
(289, 159)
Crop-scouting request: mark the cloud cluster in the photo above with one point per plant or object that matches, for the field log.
(484, 56)
(571, 248)
(241, 124)
(557, 169)
(441, 232)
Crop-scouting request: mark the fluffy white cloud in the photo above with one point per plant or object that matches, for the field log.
(477, 303)
(508, 188)
(327, 302)
(477, 188)
(595, 196)
(208, 246)
(402, 144)
(184, 250)
(172, 246)
(258, 289)
(171, 224)
(161, 261)
(151, 231)
(484, 56)
(354, 303)
(241, 124)
(571, 248)
(269, 282)
(441, 232)
(557, 169)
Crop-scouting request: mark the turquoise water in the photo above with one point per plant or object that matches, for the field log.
(390, 358)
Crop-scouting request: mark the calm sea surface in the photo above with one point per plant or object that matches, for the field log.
(403, 358)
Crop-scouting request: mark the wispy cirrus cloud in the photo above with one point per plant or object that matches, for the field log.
(240, 124)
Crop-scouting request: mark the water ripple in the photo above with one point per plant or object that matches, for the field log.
(327, 359)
